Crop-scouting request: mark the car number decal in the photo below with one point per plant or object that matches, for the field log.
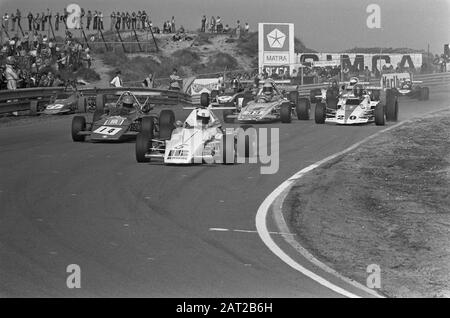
(114, 121)
(105, 130)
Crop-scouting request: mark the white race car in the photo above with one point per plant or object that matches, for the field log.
(356, 104)
(200, 139)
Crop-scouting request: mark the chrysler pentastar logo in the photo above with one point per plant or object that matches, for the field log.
(276, 39)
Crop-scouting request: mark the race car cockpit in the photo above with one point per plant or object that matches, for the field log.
(202, 118)
(268, 93)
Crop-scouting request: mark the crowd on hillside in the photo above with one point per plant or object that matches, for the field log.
(215, 25)
(38, 61)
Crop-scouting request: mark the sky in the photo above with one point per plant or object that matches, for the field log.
(323, 25)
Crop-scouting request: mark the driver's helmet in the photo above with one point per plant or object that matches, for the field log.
(203, 117)
(267, 90)
(358, 91)
(334, 83)
(127, 102)
(353, 81)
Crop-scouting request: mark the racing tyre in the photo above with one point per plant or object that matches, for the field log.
(148, 125)
(226, 113)
(166, 123)
(82, 105)
(379, 115)
(303, 108)
(312, 95)
(143, 142)
(246, 142)
(320, 113)
(227, 149)
(286, 113)
(78, 124)
(293, 97)
(34, 108)
(391, 106)
(204, 100)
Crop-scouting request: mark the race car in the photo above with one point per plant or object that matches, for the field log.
(121, 120)
(269, 105)
(66, 102)
(360, 105)
(404, 85)
(200, 139)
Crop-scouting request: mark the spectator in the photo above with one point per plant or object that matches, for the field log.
(367, 74)
(100, 21)
(133, 20)
(88, 19)
(30, 21)
(128, 20)
(6, 21)
(172, 25)
(58, 82)
(43, 20)
(212, 24)
(95, 18)
(247, 28)
(148, 81)
(238, 29)
(118, 20)
(18, 18)
(10, 74)
(144, 18)
(13, 22)
(57, 18)
(116, 81)
(124, 20)
(48, 17)
(219, 27)
(203, 28)
(175, 81)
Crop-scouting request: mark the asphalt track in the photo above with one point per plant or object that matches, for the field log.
(144, 230)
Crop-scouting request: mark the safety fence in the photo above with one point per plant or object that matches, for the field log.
(31, 99)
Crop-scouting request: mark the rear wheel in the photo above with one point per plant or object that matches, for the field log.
(379, 115)
(303, 108)
(82, 104)
(143, 143)
(78, 125)
(320, 113)
(391, 106)
(204, 100)
(166, 123)
(286, 113)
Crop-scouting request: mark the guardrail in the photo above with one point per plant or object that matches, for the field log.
(30, 99)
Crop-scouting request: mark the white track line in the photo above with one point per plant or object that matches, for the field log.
(264, 208)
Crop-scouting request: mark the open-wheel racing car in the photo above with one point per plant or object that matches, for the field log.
(66, 102)
(270, 104)
(121, 120)
(355, 103)
(200, 139)
(404, 85)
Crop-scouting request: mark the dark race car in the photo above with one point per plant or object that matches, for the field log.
(119, 121)
(66, 102)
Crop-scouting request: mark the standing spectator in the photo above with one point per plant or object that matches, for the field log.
(148, 81)
(133, 20)
(82, 14)
(144, 18)
(203, 29)
(18, 18)
(30, 21)
(116, 81)
(212, 24)
(367, 74)
(172, 25)
(113, 20)
(37, 22)
(247, 28)
(95, 26)
(57, 18)
(138, 18)
(219, 25)
(128, 19)
(88, 19)
(13, 22)
(118, 20)
(175, 81)
(100, 20)
(6, 21)
(43, 20)
(58, 82)
(238, 29)
(10, 74)
(124, 20)
(49, 17)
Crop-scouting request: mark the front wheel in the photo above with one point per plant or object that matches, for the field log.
(78, 125)
(379, 115)
(320, 113)
(286, 113)
(303, 108)
(143, 142)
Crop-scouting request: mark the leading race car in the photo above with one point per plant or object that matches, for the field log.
(356, 104)
(200, 139)
(121, 120)
(404, 85)
(270, 104)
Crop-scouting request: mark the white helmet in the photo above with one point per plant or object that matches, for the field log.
(204, 116)
(354, 81)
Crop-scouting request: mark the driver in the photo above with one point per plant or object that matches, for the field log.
(353, 81)
(203, 118)
(267, 92)
(358, 91)
(127, 105)
(406, 84)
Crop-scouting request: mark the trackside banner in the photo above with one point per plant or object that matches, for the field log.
(372, 61)
(204, 85)
(276, 47)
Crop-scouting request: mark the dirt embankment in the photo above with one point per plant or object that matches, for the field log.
(387, 203)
